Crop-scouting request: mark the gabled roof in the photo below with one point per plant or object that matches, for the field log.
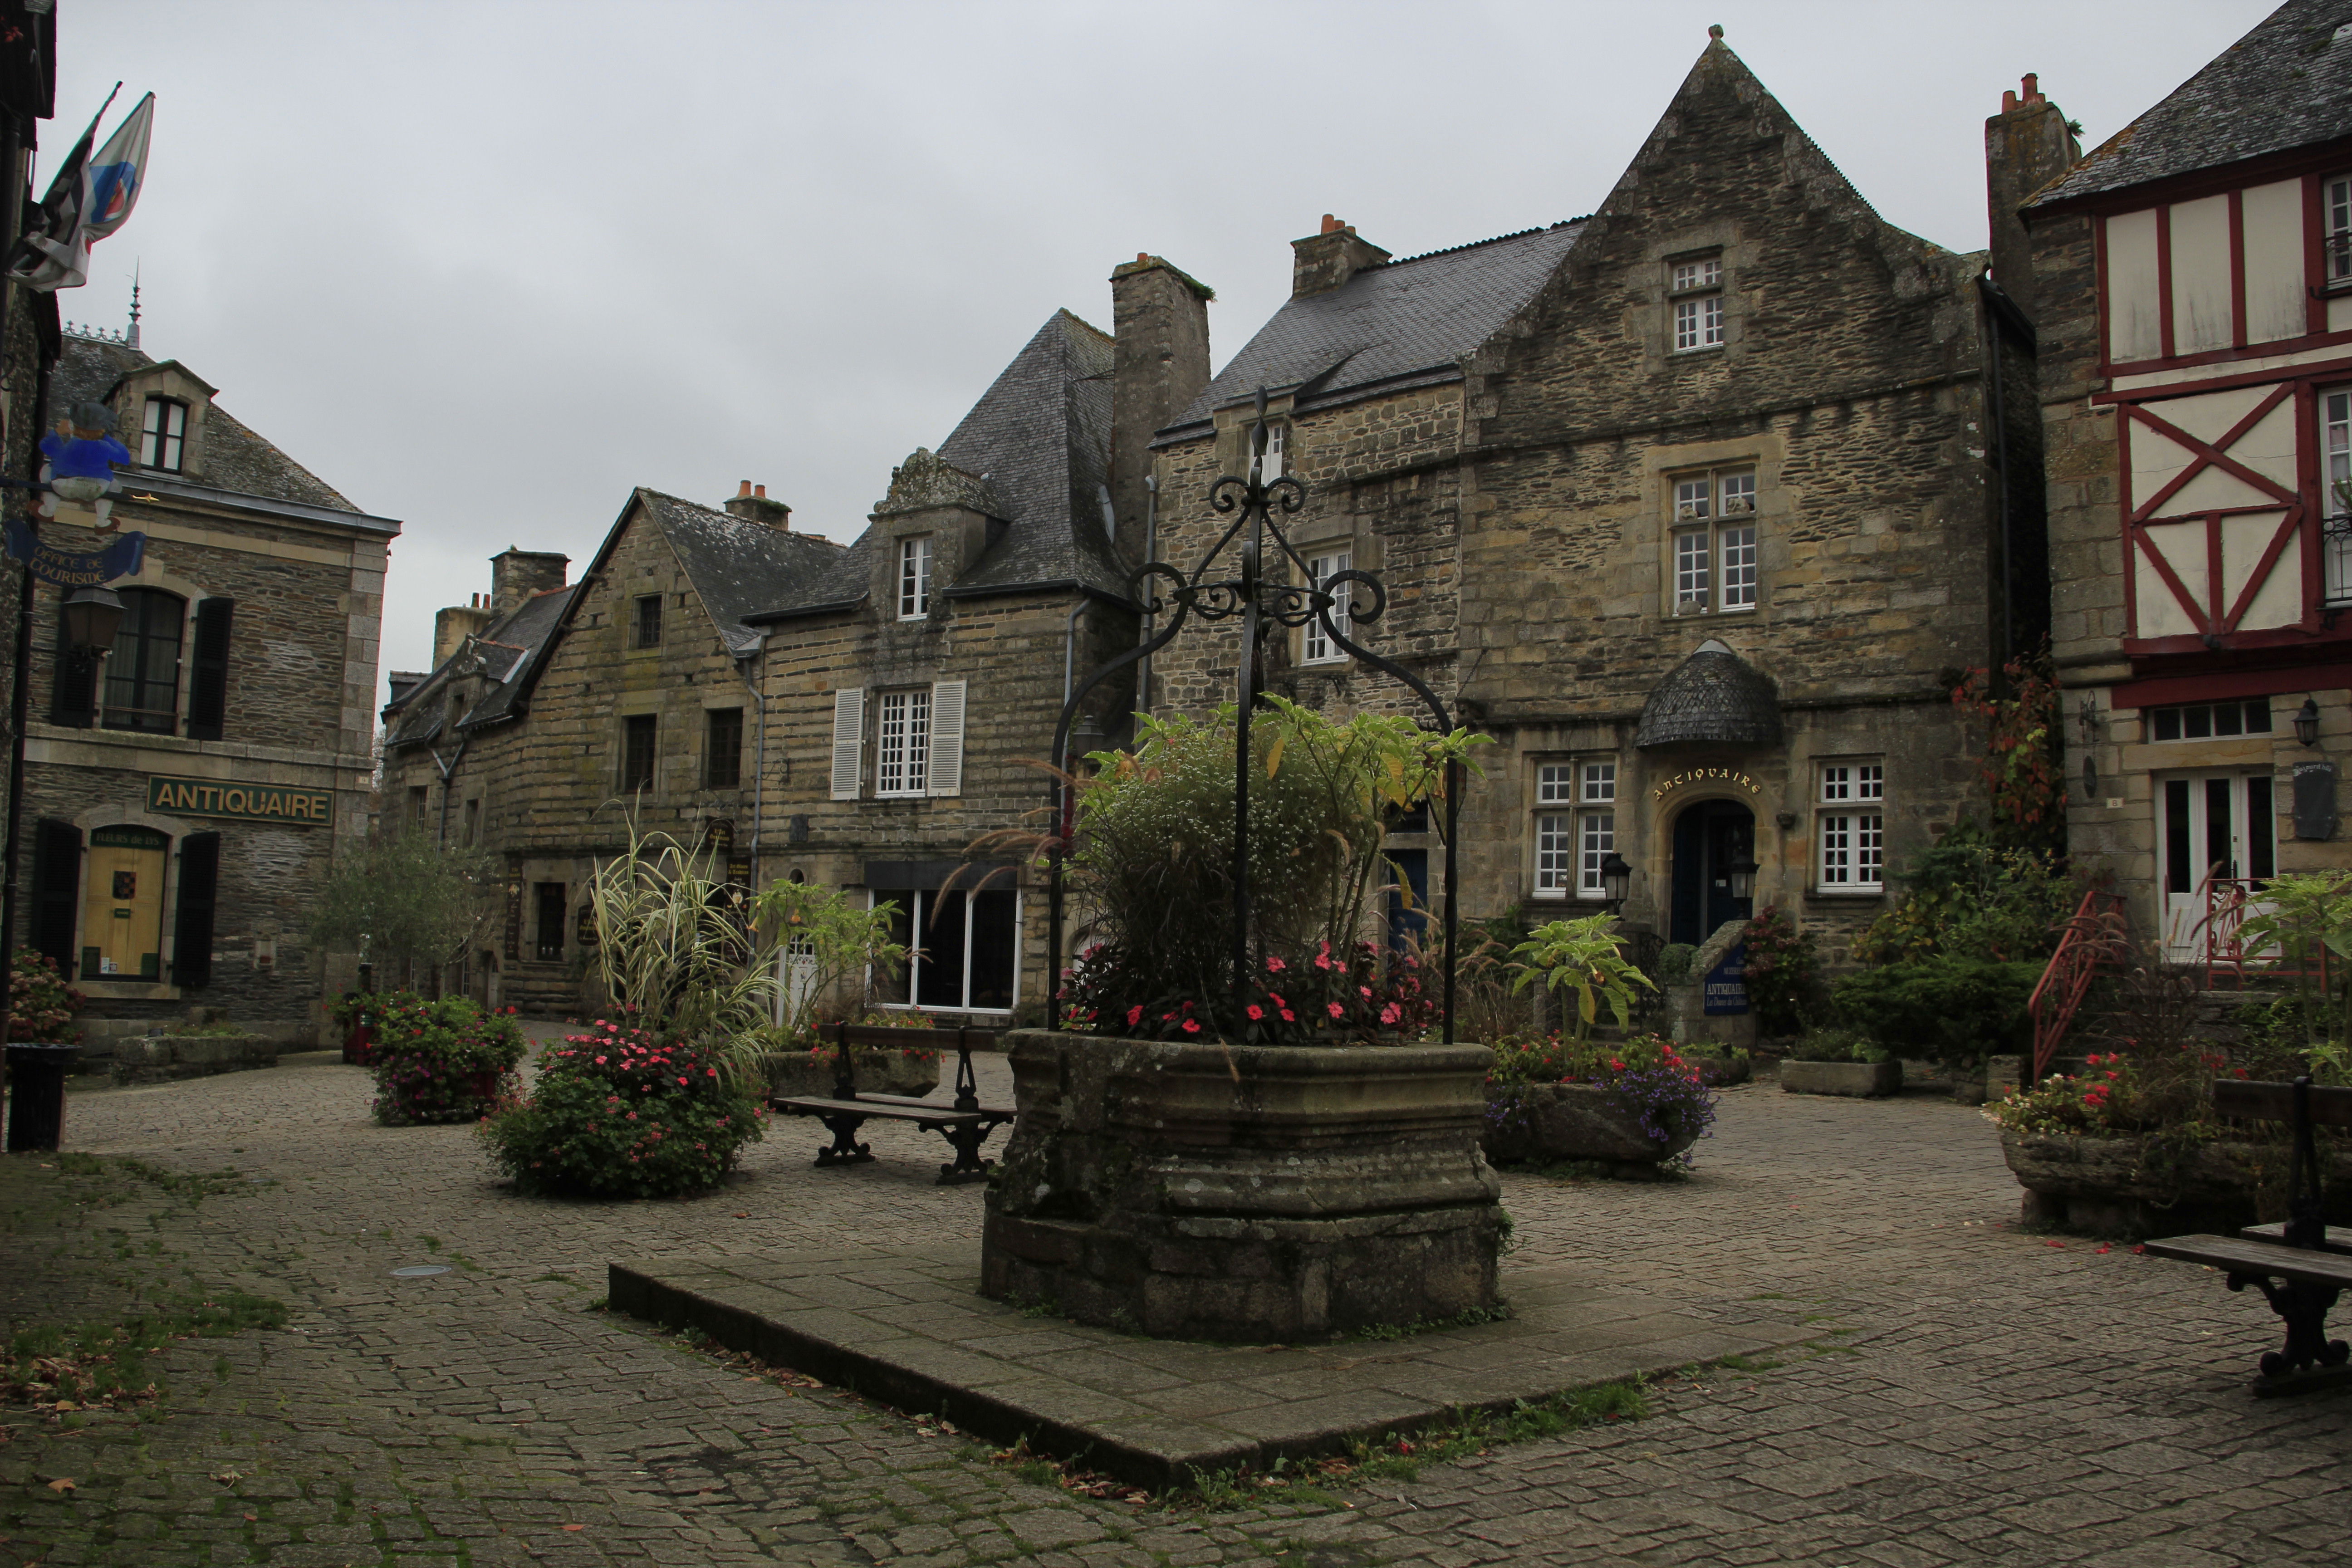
(738, 566)
(235, 459)
(2286, 84)
(1399, 324)
(1040, 438)
(506, 654)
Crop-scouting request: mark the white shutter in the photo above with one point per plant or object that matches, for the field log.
(848, 741)
(947, 737)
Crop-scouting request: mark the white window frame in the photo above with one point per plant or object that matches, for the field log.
(902, 743)
(164, 435)
(915, 577)
(1571, 839)
(2336, 216)
(1314, 647)
(2336, 496)
(1555, 853)
(1715, 549)
(1596, 839)
(919, 914)
(1850, 826)
(1694, 290)
(1277, 452)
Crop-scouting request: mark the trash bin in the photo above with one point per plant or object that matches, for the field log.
(36, 1095)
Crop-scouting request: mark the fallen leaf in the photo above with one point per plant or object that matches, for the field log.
(61, 1485)
(2057, 1244)
(253, 1519)
(575, 1527)
(228, 1478)
(742, 1217)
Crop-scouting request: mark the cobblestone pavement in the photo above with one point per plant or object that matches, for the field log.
(1980, 1394)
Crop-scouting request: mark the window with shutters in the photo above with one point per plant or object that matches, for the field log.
(143, 672)
(722, 762)
(164, 435)
(902, 743)
(637, 736)
(848, 742)
(1850, 828)
(963, 948)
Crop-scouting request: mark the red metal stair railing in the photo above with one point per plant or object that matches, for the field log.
(2092, 938)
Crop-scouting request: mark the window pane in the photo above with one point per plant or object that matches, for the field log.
(1870, 782)
(1710, 320)
(1837, 783)
(1869, 850)
(995, 930)
(1687, 323)
(914, 577)
(638, 753)
(2167, 723)
(1600, 781)
(2258, 716)
(2339, 220)
(1600, 838)
(2226, 716)
(1690, 569)
(1738, 494)
(1322, 569)
(1692, 498)
(1837, 851)
(898, 987)
(725, 749)
(2196, 723)
(2261, 830)
(2177, 877)
(1552, 783)
(940, 984)
(1738, 568)
(1553, 849)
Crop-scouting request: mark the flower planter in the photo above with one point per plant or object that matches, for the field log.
(1554, 1123)
(2137, 1185)
(1859, 1080)
(163, 1059)
(914, 1072)
(1249, 1192)
(1719, 1072)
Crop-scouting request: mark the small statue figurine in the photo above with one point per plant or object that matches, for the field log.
(81, 455)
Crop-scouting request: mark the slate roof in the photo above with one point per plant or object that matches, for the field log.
(1714, 698)
(235, 459)
(510, 650)
(2286, 84)
(1041, 437)
(1401, 323)
(739, 566)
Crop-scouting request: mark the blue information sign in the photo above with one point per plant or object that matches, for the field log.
(1724, 989)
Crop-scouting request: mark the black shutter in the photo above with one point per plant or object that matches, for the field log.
(56, 879)
(74, 698)
(208, 685)
(191, 940)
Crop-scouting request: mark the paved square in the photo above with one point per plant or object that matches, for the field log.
(1991, 1398)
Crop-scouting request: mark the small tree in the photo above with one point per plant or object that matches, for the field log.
(1586, 957)
(825, 928)
(402, 898)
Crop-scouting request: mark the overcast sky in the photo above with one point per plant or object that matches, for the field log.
(484, 267)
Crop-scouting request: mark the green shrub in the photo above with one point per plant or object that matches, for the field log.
(1675, 962)
(1966, 895)
(1955, 1010)
(619, 1113)
(1828, 1044)
(446, 1060)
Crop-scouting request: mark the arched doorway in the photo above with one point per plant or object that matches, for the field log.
(1710, 836)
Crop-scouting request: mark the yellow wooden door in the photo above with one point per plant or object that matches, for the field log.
(122, 905)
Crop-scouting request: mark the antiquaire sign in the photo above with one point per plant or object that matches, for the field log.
(247, 802)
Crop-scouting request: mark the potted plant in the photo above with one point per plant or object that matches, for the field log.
(1268, 1161)
(1840, 1061)
(1630, 1107)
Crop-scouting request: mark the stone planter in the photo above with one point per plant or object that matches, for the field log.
(1248, 1193)
(1860, 1079)
(1721, 1072)
(157, 1059)
(1554, 1123)
(877, 1072)
(2135, 1187)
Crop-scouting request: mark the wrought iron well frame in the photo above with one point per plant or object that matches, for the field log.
(1258, 603)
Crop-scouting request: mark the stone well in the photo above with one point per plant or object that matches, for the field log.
(1247, 1193)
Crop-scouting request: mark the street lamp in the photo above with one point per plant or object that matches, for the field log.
(2306, 723)
(92, 618)
(1742, 873)
(1616, 878)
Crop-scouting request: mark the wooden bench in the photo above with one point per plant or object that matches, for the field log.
(964, 1123)
(2299, 1271)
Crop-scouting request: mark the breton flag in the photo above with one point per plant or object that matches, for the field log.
(88, 200)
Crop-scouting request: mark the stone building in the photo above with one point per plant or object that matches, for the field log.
(186, 792)
(1694, 504)
(2191, 283)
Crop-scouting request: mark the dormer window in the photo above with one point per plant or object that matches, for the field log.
(915, 577)
(1277, 455)
(164, 435)
(1695, 302)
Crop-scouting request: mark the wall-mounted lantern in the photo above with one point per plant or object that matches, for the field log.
(1742, 873)
(2306, 723)
(1616, 877)
(92, 618)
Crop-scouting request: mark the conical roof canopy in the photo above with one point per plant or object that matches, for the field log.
(1713, 698)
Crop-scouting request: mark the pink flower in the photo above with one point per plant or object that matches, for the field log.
(1337, 1011)
(1392, 1013)
(1192, 1026)
(633, 1116)
(1288, 1017)
(1255, 1010)
(1274, 966)
(600, 1060)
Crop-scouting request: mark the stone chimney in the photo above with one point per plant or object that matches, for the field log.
(403, 681)
(453, 626)
(1322, 263)
(2028, 144)
(750, 503)
(518, 574)
(1160, 321)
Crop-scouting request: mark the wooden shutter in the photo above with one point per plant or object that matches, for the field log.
(848, 742)
(57, 883)
(208, 682)
(73, 699)
(192, 940)
(947, 737)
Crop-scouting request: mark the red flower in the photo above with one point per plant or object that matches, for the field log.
(1257, 1012)
(1192, 1026)
(1275, 965)
(1337, 1011)
(1134, 1016)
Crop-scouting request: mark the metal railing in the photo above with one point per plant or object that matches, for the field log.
(2094, 936)
(2229, 902)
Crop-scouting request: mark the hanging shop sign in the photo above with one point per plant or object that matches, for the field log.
(1731, 776)
(75, 569)
(249, 802)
